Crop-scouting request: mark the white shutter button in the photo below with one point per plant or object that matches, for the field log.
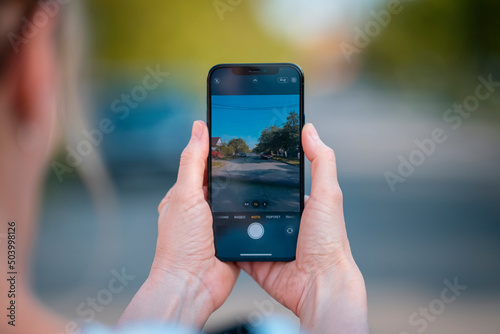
(255, 230)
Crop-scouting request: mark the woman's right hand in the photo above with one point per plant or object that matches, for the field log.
(323, 286)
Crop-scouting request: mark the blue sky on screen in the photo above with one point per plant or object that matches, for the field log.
(245, 116)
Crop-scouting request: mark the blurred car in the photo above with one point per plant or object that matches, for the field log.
(243, 154)
(149, 138)
(266, 155)
(216, 154)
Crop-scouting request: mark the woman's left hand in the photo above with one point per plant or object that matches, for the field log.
(187, 282)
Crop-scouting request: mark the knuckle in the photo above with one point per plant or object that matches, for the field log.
(330, 194)
(165, 200)
(329, 154)
(185, 200)
(161, 206)
(186, 156)
(190, 156)
(336, 194)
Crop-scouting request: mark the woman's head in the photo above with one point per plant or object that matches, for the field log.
(28, 87)
(41, 51)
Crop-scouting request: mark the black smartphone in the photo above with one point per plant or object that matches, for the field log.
(255, 115)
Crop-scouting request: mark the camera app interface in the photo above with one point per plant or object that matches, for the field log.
(255, 154)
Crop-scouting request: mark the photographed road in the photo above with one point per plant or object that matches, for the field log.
(242, 180)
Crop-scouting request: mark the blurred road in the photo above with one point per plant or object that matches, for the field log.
(251, 178)
(442, 223)
(253, 168)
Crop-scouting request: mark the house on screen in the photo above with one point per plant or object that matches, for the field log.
(216, 142)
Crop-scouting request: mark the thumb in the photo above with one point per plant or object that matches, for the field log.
(194, 159)
(324, 183)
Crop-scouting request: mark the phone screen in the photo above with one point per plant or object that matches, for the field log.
(255, 118)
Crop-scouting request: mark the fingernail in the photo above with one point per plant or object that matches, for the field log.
(197, 129)
(312, 131)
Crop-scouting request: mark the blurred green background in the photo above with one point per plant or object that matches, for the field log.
(442, 223)
(429, 46)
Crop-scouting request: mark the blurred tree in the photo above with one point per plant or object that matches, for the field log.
(234, 146)
(238, 145)
(268, 140)
(290, 134)
(226, 150)
(188, 37)
(438, 46)
(276, 138)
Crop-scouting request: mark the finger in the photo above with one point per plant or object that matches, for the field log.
(263, 273)
(306, 198)
(194, 159)
(324, 183)
(246, 266)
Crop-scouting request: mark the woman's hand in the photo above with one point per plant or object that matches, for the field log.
(323, 286)
(187, 282)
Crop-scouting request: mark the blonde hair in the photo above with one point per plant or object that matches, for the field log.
(73, 111)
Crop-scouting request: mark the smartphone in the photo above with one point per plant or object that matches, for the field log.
(255, 173)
